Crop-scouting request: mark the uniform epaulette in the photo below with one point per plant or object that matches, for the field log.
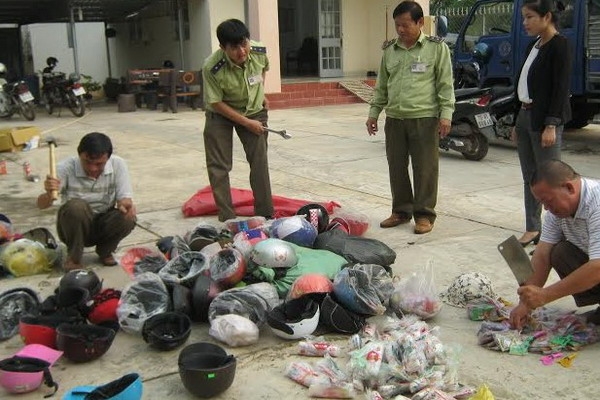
(218, 66)
(259, 49)
(435, 39)
(387, 43)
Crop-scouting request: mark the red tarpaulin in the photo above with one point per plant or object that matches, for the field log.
(203, 203)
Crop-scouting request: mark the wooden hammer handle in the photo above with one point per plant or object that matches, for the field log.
(54, 194)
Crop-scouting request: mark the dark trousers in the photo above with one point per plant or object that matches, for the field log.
(532, 154)
(79, 227)
(417, 139)
(218, 146)
(565, 258)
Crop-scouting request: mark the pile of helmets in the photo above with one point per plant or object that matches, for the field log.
(62, 319)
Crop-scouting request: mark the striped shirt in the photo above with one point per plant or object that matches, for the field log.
(583, 230)
(101, 193)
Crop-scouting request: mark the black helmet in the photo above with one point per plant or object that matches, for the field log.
(51, 61)
(204, 292)
(81, 278)
(340, 319)
(14, 304)
(167, 330)
(182, 299)
(316, 214)
(82, 343)
(205, 369)
(201, 236)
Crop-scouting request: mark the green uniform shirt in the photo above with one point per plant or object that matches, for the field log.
(241, 87)
(415, 82)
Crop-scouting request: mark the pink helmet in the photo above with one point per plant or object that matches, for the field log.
(26, 370)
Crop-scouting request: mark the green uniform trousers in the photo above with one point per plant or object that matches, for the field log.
(418, 139)
(218, 146)
(79, 227)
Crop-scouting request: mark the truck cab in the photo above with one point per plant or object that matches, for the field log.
(497, 25)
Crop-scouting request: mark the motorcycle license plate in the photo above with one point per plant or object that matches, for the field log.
(79, 91)
(26, 96)
(483, 120)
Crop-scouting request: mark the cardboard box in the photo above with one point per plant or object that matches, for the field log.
(15, 139)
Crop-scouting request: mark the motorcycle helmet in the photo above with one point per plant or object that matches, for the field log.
(227, 267)
(316, 214)
(363, 288)
(206, 370)
(294, 319)
(317, 284)
(134, 255)
(5, 224)
(482, 52)
(140, 300)
(201, 236)
(294, 229)
(127, 387)
(339, 224)
(252, 302)
(165, 245)
(81, 278)
(24, 257)
(42, 329)
(184, 268)
(204, 292)
(167, 331)
(274, 253)
(14, 304)
(338, 318)
(245, 240)
(104, 308)
(83, 343)
(2, 69)
(20, 374)
(51, 61)
(467, 287)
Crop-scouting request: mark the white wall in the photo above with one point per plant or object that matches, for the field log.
(51, 40)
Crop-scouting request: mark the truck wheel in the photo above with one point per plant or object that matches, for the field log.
(478, 147)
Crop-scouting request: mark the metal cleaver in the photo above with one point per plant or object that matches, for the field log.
(516, 258)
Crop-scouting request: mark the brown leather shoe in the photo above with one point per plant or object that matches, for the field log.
(108, 261)
(394, 220)
(423, 225)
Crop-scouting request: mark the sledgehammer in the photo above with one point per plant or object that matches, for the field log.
(281, 133)
(52, 163)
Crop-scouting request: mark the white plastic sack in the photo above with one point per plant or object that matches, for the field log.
(234, 330)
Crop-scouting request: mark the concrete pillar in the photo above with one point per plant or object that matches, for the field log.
(263, 24)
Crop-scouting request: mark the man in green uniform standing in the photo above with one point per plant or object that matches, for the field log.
(415, 87)
(234, 95)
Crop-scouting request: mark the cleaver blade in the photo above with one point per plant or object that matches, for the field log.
(516, 258)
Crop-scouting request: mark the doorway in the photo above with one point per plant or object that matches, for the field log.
(299, 38)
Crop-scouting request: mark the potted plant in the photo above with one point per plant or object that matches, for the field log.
(92, 88)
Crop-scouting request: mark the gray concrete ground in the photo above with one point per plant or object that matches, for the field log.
(329, 158)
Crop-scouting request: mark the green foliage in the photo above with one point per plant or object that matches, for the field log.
(89, 84)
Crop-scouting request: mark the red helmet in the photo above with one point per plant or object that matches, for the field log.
(310, 283)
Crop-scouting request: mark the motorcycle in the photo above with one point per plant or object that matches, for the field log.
(58, 90)
(480, 115)
(15, 97)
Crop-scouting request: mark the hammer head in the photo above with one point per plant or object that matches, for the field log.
(50, 141)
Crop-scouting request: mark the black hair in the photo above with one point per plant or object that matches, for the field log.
(95, 144)
(543, 7)
(233, 32)
(412, 7)
(554, 173)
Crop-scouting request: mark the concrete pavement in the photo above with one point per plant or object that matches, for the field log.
(330, 157)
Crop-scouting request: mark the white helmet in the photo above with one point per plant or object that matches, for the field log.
(295, 319)
(2, 69)
(274, 253)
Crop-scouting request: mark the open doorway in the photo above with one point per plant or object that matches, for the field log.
(299, 38)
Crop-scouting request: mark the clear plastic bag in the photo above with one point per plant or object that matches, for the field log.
(140, 300)
(417, 294)
(363, 288)
(252, 301)
(184, 268)
(234, 330)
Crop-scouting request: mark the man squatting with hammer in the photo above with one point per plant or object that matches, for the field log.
(97, 206)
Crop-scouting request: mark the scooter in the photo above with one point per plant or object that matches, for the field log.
(480, 115)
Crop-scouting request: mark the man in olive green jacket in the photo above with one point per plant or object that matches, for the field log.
(234, 95)
(415, 88)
